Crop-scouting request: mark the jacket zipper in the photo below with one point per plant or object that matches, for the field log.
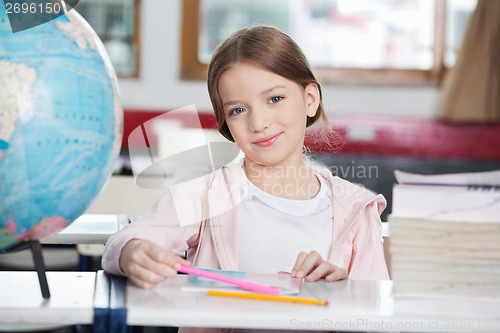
(211, 226)
(216, 248)
(349, 227)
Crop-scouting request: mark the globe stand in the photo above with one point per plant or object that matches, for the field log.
(36, 252)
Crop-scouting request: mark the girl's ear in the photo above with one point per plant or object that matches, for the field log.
(312, 99)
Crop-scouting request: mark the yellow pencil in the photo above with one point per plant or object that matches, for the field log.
(279, 298)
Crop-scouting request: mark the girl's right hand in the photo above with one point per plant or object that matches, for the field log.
(146, 264)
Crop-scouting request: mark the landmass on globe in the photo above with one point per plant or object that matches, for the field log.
(61, 124)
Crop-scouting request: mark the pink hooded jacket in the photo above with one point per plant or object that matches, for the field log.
(201, 217)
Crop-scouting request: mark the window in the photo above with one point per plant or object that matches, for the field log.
(116, 22)
(347, 41)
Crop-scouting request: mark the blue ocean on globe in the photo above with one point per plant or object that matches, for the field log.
(60, 125)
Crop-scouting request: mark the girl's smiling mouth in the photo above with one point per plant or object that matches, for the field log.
(267, 141)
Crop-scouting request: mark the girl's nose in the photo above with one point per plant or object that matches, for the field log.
(259, 120)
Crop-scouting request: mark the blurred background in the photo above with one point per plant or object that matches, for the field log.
(383, 66)
(395, 74)
(379, 57)
(408, 84)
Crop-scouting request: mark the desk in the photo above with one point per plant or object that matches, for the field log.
(71, 302)
(385, 229)
(77, 298)
(89, 229)
(90, 232)
(354, 306)
(96, 229)
(110, 304)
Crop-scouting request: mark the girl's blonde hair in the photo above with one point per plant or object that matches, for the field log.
(268, 48)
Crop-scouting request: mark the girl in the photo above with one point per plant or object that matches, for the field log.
(272, 211)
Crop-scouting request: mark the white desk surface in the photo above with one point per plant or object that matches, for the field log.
(96, 229)
(385, 229)
(71, 301)
(354, 306)
(89, 229)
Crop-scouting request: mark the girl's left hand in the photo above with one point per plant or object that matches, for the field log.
(312, 267)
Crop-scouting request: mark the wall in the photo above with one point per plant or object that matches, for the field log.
(387, 136)
(159, 86)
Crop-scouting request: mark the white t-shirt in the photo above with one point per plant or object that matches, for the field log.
(273, 230)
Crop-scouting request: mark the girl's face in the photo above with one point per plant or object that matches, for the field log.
(267, 113)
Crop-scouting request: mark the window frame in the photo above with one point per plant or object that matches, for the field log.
(192, 69)
(135, 42)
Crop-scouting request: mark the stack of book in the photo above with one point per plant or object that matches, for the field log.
(445, 235)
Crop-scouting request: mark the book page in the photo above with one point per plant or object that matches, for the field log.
(486, 178)
(450, 203)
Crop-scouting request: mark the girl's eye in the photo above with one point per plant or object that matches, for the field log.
(236, 111)
(275, 99)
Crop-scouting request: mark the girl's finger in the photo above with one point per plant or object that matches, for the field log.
(298, 263)
(322, 270)
(338, 274)
(310, 262)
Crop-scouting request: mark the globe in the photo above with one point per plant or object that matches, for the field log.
(60, 125)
